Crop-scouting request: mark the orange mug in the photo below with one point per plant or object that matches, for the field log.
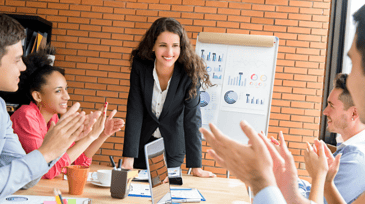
(76, 178)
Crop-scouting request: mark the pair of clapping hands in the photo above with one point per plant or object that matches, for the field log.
(74, 126)
(259, 164)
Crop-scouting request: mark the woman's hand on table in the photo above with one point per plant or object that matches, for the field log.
(199, 172)
(127, 163)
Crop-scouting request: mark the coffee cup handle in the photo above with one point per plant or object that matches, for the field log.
(92, 175)
(63, 172)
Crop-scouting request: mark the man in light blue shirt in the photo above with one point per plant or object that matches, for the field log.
(343, 118)
(18, 169)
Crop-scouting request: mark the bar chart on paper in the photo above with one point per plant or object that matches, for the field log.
(242, 68)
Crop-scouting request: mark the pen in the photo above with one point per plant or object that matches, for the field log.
(120, 164)
(187, 200)
(112, 161)
(59, 194)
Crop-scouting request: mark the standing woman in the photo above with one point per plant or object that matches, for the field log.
(164, 98)
(46, 87)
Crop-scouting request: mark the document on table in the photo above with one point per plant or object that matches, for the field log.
(143, 190)
(143, 174)
(20, 199)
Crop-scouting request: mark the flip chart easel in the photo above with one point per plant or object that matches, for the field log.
(243, 69)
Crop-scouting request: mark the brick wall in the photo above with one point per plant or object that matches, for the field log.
(94, 39)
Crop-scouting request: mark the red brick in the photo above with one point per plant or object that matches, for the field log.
(182, 8)
(314, 99)
(301, 4)
(159, 7)
(310, 24)
(300, 132)
(306, 64)
(262, 20)
(237, 31)
(263, 7)
(36, 4)
(97, 60)
(285, 63)
(305, 78)
(75, 71)
(311, 11)
(113, 16)
(297, 43)
(108, 81)
(124, 11)
(238, 5)
(91, 15)
(47, 11)
(318, 45)
(277, 2)
(295, 16)
(101, 22)
(295, 70)
(99, 48)
(278, 129)
(115, 4)
(309, 119)
(18, 9)
(294, 83)
(252, 13)
(319, 31)
(77, 33)
(79, 7)
(87, 53)
(57, 19)
(305, 91)
(276, 15)
(228, 24)
(321, 5)
(76, 46)
(321, 18)
(313, 112)
(239, 18)
(64, 64)
(296, 57)
(250, 26)
(102, 9)
(274, 28)
(217, 4)
(290, 124)
(90, 28)
(99, 35)
(296, 97)
(14, 3)
(286, 22)
(287, 9)
(214, 30)
(280, 103)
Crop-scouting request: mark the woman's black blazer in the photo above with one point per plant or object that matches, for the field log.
(179, 121)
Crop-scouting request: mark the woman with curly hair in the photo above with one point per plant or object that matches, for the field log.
(46, 88)
(164, 98)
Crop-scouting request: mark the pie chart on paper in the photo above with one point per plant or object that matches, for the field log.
(230, 97)
(204, 99)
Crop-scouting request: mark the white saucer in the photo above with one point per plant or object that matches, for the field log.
(97, 183)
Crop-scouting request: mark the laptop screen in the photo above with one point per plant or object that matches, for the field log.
(157, 172)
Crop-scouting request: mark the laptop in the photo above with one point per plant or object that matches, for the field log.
(157, 172)
(160, 178)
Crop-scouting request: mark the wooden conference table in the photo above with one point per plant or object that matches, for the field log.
(215, 190)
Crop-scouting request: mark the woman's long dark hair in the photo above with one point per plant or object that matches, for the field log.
(34, 77)
(194, 66)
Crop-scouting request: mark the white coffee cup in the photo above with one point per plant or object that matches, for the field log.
(104, 177)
